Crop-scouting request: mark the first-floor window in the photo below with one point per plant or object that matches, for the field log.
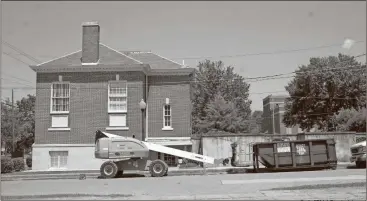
(58, 159)
(117, 103)
(167, 116)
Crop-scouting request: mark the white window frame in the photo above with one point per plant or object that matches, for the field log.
(51, 99)
(164, 119)
(117, 112)
(58, 156)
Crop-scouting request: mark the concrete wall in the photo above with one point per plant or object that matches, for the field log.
(219, 146)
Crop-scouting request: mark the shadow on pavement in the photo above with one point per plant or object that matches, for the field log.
(124, 176)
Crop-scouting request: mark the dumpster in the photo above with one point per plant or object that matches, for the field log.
(292, 155)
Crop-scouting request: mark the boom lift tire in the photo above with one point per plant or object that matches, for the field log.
(158, 168)
(109, 169)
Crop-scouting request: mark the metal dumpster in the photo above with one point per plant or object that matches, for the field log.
(289, 155)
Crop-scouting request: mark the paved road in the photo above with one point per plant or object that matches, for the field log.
(338, 184)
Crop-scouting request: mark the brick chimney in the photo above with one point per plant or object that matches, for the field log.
(90, 46)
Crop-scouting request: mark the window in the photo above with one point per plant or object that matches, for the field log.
(117, 103)
(58, 159)
(289, 130)
(60, 97)
(167, 116)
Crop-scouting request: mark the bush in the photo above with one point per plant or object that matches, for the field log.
(29, 161)
(7, 165)
(18, 164)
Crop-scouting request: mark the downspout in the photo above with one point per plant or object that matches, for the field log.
(146, 110)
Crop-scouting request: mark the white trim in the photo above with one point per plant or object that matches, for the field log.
(167, 129)
(58, 58)
(63, 145)
(170, 115)
(108, 98)
(51, 97)
(90, 64)
(146, 109)
(60, 112)
(121, 53)
(110, 128)
(58, 129)
(166, 58)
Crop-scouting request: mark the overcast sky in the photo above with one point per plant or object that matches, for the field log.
(178, 30)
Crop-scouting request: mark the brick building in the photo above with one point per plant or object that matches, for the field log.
(98, 87)
(273, 110)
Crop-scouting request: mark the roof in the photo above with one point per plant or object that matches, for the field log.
(154, 60)
(109, 56)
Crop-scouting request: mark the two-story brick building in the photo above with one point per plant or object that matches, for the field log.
(100, 88)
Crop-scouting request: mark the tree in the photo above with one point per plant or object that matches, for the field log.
(212, 79)
(221, 115)
(26, 118)
(322, 88)
(351, 120)
(256, 121)
(24, 124)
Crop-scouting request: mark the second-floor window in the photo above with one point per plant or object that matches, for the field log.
(117, 103)
(60, 97)
(167, 116)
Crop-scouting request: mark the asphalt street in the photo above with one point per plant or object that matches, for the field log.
(327, 184)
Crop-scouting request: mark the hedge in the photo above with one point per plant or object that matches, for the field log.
(7, 165)
(18, 164)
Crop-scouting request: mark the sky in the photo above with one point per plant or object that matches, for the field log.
(238, 33)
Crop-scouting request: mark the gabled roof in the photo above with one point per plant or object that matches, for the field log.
(107, 56)
(155, 61)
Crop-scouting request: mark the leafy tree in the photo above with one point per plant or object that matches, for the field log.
(24, 123)
(322, 88)
(212, 79)
(26, 118)
(256, 121)
(351, 120)
(221, 115)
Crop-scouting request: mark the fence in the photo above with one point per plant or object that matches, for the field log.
(219, 146)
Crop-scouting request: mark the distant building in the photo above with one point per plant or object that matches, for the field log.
(273, 110)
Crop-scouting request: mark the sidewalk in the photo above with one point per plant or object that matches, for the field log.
(322, 194)
(94, 174)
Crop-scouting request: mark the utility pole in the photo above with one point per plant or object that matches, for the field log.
(13, 119)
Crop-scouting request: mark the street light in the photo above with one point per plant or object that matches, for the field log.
(142, 106)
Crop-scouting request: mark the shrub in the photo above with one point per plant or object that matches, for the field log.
(7, 165)
(18, 164)
(29, 161)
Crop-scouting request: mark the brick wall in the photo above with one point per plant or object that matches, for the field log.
(88, 106)
(177, 89)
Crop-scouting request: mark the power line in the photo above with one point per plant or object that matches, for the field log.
(21, 52)
(268, 53)
(8, 54)
(208, 57)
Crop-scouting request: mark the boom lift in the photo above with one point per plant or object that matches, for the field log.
(126, 153)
